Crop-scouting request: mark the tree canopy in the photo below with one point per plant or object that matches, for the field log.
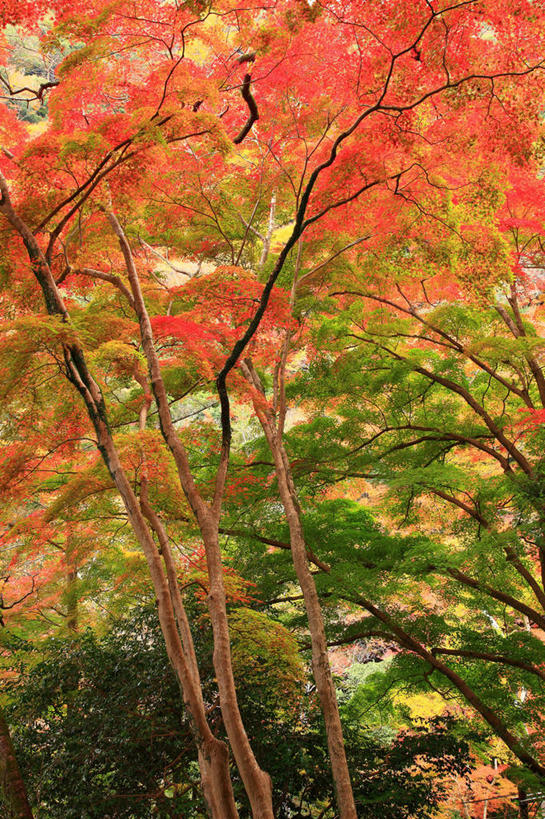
(271, 348)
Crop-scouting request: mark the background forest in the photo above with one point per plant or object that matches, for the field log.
(272, 418)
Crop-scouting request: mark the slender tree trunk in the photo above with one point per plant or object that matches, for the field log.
(320, 660)
(256, 781)
(218, 768)
(71, 593)
(11, 782)
(268, 236)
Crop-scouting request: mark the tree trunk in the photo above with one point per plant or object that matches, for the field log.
(320, 660)
(256, 781)
(11, 782)
(72, 600)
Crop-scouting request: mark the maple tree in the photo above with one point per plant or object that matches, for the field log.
(441, 399)
(186, 133)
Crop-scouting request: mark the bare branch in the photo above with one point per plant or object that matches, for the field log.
(98, 274)
(252, 107)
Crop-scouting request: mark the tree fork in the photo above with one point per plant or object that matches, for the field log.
(257, 782)
(213, 754)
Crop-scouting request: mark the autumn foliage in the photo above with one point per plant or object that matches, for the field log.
(271, 344)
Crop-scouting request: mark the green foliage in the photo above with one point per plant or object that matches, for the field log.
(99, 731)
(267, 656)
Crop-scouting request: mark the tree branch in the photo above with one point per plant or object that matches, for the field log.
(488, 714)
(491, 658)
(252, 107)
